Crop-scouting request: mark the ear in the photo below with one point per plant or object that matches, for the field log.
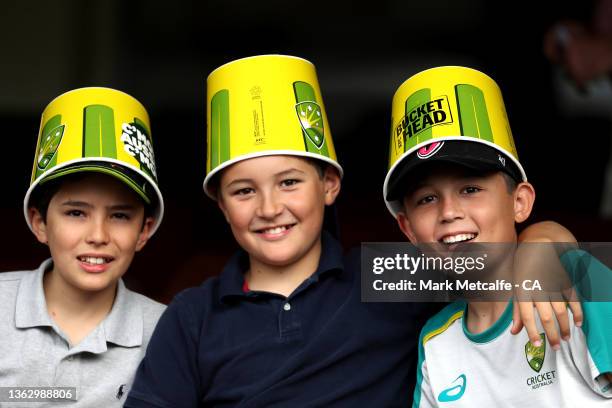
(524, 197)
(331, 180)
(39, 227)
(405, 226)
(145, 233)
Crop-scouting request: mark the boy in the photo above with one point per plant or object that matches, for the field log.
(283, 325)
(457, 179)
(71, 326)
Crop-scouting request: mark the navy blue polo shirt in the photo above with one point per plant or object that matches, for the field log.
(219, 345)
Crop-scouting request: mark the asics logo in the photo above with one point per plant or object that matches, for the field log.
(455, 392)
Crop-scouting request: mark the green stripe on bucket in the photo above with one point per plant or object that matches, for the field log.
(219, 128)
(418, 98)
(99, 132)
(473, 114)
(304, 92)
(52, 123)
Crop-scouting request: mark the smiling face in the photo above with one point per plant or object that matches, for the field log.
(275, 206)
(453, 204)
(94, 225)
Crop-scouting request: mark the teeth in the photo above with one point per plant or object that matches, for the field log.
(457, 238)
(93, 260)
(276, 230)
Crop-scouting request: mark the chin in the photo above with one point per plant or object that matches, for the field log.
(280, 259)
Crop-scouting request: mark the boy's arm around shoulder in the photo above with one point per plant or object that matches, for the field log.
(530, 259)
(168, 375)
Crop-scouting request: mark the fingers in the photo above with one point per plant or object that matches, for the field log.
(574, 304)
(517, 322)
(576, 309)
(547, 318)
(560, 310)
(527, 317)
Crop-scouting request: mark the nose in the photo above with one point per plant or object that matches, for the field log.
(270, 205)
(98, 232)
(450, 209)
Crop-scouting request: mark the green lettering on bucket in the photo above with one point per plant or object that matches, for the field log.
(99, 132)
(304, 92)
(473, 114)
(417, 100)
(52, 123)
(219, 128)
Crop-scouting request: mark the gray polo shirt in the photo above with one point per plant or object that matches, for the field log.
(35, 352)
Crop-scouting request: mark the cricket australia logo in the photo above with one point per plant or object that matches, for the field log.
(309, 114)
(535, 355)
(48, 146)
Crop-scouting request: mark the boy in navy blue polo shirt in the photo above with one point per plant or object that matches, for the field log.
(283, 325)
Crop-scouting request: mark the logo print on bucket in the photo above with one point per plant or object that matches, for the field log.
(137, 143)
(310, 115)
(535, 355)
(454, 393)
(49, 145)
(429, 150)
(311, 120)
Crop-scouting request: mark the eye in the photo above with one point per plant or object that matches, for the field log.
(471, 190)
(243, 191)
(289, 182)
(121, 216)
(74, 213)
(426, 200)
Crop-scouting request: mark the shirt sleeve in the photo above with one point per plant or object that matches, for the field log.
(423, 394)
(592, 347)
(168, 375)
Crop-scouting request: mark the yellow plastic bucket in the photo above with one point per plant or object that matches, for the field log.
(265, 105)
(101, 130)
(447, 104)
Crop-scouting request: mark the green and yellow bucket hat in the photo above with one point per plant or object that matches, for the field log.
(265, 105)
(101, 130)
(452, 114)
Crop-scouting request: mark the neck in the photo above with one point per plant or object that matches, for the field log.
(483, 315)
(75, 311)
(283, 279)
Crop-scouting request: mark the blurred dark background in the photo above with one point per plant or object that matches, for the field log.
(161, 54)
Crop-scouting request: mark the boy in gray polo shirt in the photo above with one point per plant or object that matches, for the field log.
(71, 327)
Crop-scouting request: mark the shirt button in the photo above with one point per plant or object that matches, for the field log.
(287, 307)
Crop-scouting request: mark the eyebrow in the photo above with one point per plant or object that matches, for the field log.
(83, 204)
(288, 171)
(279, 174)
(72, 203)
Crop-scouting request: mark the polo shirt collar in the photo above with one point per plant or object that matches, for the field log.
(231, 280)
(30, 307)
(123, 326)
